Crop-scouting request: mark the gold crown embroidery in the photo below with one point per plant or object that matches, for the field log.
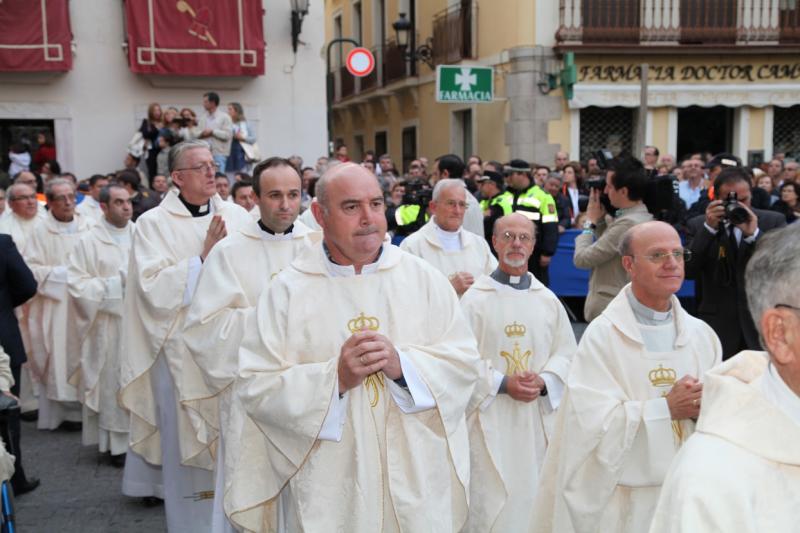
(515, 330)
(662, 377)
(373, 382)
(515, 361)
(363, 322)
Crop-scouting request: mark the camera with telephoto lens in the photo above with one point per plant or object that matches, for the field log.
(417, 192)
(734, 212)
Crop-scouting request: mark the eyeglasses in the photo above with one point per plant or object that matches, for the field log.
(508, 236)
(660, 257)
(453, 204)
(205, 167)
(787, 306)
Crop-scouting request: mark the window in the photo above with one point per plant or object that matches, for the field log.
(786, 131)
(21, 133)
(381, 143)
(461, 135)
(358, 148)
(409, 146)
(337, 34)
(605, 127)
(357, 26)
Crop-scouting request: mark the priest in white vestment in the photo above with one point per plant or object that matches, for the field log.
(451, 166)
(170, 244)
(235, 274)
(633, 394)
(460, 255)
(53, 344)
(357, 373)
(90, 206)
(526, 342)
(740, 470)
(24, 214)
(96, 278)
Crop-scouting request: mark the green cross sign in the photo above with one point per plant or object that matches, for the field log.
(457, 84)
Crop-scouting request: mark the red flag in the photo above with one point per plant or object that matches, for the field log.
(195, 37)
(35, 36)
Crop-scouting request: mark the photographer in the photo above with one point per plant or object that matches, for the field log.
(722, 241)
(597, 248)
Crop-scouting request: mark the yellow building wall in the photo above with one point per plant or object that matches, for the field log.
(559, 130)
(756, 139)
(660, 128)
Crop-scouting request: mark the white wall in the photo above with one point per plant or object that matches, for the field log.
(100, 102)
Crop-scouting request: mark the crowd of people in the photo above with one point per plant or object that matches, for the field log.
(254, 350)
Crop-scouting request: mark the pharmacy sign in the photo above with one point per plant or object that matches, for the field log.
(464, 85)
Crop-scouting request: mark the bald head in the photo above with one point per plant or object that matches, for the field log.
(513, 240)
(639, 235)
(514, 219)
(347, 171)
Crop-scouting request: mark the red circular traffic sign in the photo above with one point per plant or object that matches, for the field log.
(360, 62)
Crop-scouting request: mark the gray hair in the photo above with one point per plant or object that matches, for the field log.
(11, 193)
(447, 183)
(55, 182)
(177, 151)
(105, 193)
(772, 276)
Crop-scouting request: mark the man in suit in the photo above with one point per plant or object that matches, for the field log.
(721, 249)
(17, 286)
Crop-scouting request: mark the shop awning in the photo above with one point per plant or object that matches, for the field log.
(35, 36)
(195, 37)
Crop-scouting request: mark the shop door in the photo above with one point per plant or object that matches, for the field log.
(704, 129)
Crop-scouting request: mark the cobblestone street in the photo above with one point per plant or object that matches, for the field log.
(80, 490)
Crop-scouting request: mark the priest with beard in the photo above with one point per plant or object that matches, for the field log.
(230, 287)
(169, 246)
(356, 374)
(527, 344)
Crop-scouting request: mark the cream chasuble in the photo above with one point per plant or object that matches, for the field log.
(162, 275)
(614, 437)
(52, 343)
(517, 330)
(389, 468)
(740, 470)
(96, 278)
(473, 257)
(21, 229)
(90, 208)
(230, 287)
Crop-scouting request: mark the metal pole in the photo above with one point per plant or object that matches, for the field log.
(330, 81)
(641, 124)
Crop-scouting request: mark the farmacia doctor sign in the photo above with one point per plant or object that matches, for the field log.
(464, 85)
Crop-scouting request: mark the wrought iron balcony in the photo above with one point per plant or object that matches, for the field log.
(683, 22)
(453, 34)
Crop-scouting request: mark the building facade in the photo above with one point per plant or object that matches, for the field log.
(95, 107)
(723, 75)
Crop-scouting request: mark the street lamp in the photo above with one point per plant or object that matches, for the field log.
(404, 30)
(299, 10)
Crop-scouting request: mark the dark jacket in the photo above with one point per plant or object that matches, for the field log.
(718, 267)
(17, 286)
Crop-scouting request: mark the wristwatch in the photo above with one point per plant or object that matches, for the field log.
(589, 226)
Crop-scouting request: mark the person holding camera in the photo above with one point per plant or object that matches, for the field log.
(597, 247)
(722, 241)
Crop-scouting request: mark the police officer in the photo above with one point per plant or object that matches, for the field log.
(525, 197)
(494, 204)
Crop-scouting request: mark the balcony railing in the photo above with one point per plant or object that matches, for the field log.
(452, 34)
(689, 22)
(394, 63)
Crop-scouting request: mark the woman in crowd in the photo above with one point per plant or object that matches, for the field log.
(149, 129)
(241, 134)
(788, 205)
(20, 159)
(572, 188)
(45, 152)
(188, 123)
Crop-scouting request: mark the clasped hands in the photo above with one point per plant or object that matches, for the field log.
(684, 398)
(363, 353)
(524, 387)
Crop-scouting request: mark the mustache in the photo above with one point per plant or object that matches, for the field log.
(369, 230)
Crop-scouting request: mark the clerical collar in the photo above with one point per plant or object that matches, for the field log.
(779, 394)
(516, 282)
(67, 227)
(196, 210)
(342, 271)
(450, 240)
(264, 227)
(646, 315)
(112, 228)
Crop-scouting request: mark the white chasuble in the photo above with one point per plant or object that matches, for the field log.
(20, 229)
(474, 256)
(162, 276)
(96, 277)
(90, 208)
(52, 343)
(234, 275)
(740, 470)
(517, 331)
(614, 437)
(390, 467)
